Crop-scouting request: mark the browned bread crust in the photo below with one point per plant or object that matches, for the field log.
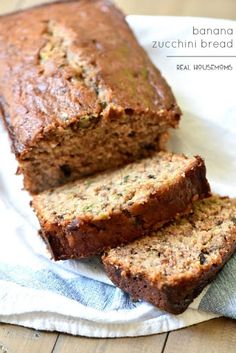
(73, 79)
(174, 291)
(81, 234)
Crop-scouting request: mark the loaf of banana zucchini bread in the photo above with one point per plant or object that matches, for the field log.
(77, 92)
(170, 267)
(85, 217)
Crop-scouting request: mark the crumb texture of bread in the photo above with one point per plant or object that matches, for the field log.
(85, 217)
(170, 267)
(79, 98)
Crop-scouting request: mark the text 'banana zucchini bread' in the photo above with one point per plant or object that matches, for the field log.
(171, 267)
(77, 92)
(85, 217)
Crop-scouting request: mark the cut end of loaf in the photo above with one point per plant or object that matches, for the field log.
(73, 152)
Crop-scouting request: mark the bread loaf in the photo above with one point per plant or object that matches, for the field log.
(77, 92)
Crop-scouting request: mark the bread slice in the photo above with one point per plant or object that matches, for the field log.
(170, 267)
(85, 217)
(78, 93)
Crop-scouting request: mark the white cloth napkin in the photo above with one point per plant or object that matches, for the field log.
(76, 296)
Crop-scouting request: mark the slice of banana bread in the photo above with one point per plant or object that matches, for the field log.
(85, 217)
(77, 92)
(171, 267)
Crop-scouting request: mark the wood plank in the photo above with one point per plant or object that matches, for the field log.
(215, 336)
(150, 344)
(210, 8)
(8, 6)
(15, 339)
(29, 3)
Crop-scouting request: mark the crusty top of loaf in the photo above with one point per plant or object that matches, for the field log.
(62, 61)
(183, 249)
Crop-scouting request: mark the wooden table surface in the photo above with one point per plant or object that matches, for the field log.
(215, 336)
